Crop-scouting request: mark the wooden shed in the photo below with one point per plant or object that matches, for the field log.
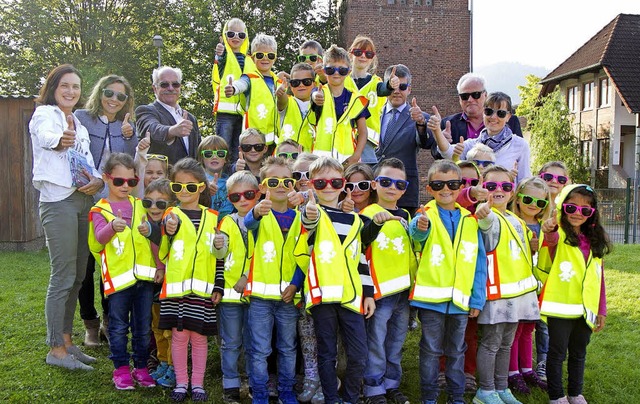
(20, 227)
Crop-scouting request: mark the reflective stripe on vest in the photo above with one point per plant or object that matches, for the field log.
(262, 113)
(199, 287)
(296, 127)
(231, 296)
(238, 258)
(375, 106)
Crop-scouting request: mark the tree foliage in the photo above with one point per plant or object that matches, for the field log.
(549, 122)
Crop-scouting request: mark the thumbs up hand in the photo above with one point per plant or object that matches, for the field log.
(447, 131)
(319, 70)
(458, 148)
(534, 243)
(294, 197)
(348, 205)
(144, 143)
(264, 206)
(127, 129)
(213, 185)
(317, 97)
(550, 225)
(229, 90)
(423, 223)
(311, 209)
(182, 128)
(171, 224)
(68, 138)
(416, 113)
(282, 88)
(144, 228)
(514, 170)
(434, 121)
(484, 209)
(218, 240)
(394, 81)
(220, 48)
(479, 193)
(241, 163)
(118, 224)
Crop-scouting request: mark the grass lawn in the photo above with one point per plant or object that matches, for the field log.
(611, 377)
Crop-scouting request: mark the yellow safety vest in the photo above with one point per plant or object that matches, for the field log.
(333, 271)
(391, 256)
(572, 286)
(376, 104)
(127, 257)
(510, 266)
(238, 258)
(274, 258)
(336, 137)
(191, 265)
(262, 113)
(296, 127)
(447, 268)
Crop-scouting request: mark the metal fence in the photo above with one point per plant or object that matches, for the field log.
(617, 214)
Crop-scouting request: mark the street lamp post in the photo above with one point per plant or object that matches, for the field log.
(157, 42)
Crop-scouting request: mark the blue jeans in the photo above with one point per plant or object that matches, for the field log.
(135, 301)
(542, 341)
(234, 333)
(442, 334)
(386, 332)
(326, 318)
(262, 316)
(229, 127)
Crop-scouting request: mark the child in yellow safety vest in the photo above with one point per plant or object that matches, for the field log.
(294, 111)
(128, 270)
(573, 300)
(450, 283)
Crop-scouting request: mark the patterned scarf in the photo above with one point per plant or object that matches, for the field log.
(498, 141)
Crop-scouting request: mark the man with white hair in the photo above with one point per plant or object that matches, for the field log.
(174, 132)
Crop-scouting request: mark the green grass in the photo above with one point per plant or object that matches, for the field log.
(611, 376)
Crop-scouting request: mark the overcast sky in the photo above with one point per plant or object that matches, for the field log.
(539, 33)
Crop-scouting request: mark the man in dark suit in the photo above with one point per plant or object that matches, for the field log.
(174, 131)
(403, 132)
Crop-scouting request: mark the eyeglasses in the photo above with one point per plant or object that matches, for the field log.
(361, 185)
(210, 153)
(470, 181)
(248, 195)
(273, 182)
(160, 204)
(110, 93)
(484, 163)
(475, 95)
(561, 179)
(305, 82)
(261, 55)
(119, 181)
(570, 208)
(232, 34)
(166, 84)
(367, 53)
(492, 186)
(331, 70)
(403, 86)
(336, 183)
(385, 182)
(304, 58)
(299, 175)
(528, 200)
(191, 187)
(500, 112)
(453, 185)
(293, 155)
(259, 147)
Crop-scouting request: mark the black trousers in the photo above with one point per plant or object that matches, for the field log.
(86, 295)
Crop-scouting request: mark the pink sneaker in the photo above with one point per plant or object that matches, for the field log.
(143, 377)
(122, 379)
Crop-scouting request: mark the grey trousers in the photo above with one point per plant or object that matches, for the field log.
(494, 351)
(66, 225)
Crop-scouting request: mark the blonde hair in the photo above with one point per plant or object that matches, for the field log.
(325, 163)
(241, 177)
(336, 54)
(247, 133)
(480, 148)
(535, 182)
(273, 161)
(268, 41)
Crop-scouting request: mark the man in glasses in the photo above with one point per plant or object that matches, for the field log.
(174, 131)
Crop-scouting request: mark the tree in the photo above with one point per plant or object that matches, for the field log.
(549, 122)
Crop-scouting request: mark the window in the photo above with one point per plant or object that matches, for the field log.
(603, 95)
(585, 150)
(603, 153)
(587, 96)
(417, 2)
(572, 95)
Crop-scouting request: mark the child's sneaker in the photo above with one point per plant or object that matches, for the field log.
(379, 399)
(470, 385)
(318, 398)
(122, 378)
(179, 394)
(487, 397)
(309, 389)
(533, 380)
(231, 396)
(397, 397)
(168, 379)
(160, 370)
(561, 400)
(198, 394)
(143, 377)
(541, 370)
(517, 384)
(272, 386)
(287, 397)
(507, 397)
(577, 399)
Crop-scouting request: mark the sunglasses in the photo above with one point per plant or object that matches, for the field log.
(470, 181)
(160, 204)
(259, 147)
(191, 187)
(492, 186)
(367, 53)
(299, 175)
(386, 182)
(570, 208)
(262, 55)
(273, 182)
(160, 157)
(361, 185)
(550, 177)
(336, 183)
(484, 163)
(293, 155)
(232, 34)
(166, 84)
(331, 70)
(305, 82)
(475, 95)
(403, 86)
(110, 93)
(248, 195)
(528, 200)
(453, 185)
(119, 181)
(217, 153)
(500, 112)
(304, 58)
